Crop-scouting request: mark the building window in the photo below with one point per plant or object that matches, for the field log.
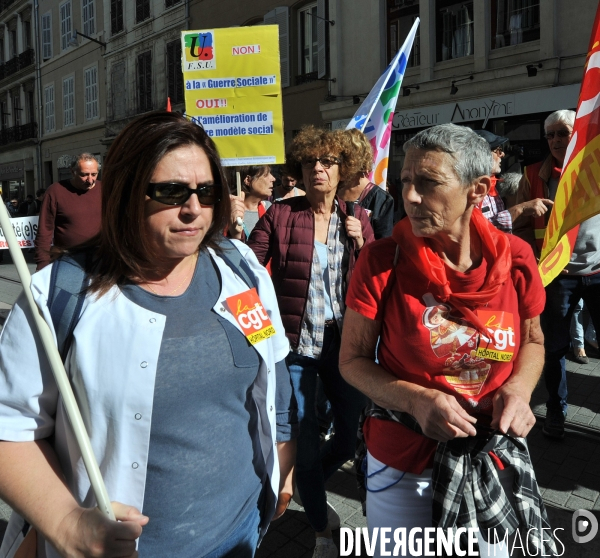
(4, 114)
(30, 106)
(174, 75)
(118, 91)
(65, 25)
(27, 34)
(47, 36)
(116, 16)
(17, 110)
(144, 79)
(515, 22)
(49, 107)
(12, 38)
(401, 16)
(90, 78)
(454, 29)
(142, 10)
(281, 17)
(171, 3)
(69, 101)
(88, 16)
(2, 60)
(308, 40)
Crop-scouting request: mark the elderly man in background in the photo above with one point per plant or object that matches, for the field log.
(580, 278)
(70, 212)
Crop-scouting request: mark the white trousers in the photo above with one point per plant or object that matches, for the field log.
(397, 499)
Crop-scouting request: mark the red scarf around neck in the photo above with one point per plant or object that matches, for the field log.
(493, 192)
(495, 246)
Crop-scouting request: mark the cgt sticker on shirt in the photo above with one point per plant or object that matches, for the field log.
(251, 315)
(500, 343)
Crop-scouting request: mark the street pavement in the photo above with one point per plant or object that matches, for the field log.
(568, 471)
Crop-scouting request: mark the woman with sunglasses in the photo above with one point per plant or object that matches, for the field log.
(191, 418)
(257, 187)
(312, 243)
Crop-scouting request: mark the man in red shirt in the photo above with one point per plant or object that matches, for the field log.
(70, 212)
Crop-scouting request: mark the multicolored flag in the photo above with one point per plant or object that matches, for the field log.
(578, 194)
(375, 114)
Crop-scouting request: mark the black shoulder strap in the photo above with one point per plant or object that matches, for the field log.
(238, 264)
(68, 283)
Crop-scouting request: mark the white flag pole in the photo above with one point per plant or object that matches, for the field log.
(58, 369)
(238, 185)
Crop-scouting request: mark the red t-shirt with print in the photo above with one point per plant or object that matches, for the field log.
(425, 341)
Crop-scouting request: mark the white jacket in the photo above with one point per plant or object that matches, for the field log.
(112, 365)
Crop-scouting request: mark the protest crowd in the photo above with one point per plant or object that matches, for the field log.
(234, 335)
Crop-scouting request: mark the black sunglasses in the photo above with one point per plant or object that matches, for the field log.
(173, 193)
(326, 162)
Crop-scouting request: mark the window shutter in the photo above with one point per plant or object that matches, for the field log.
(113, 17)
(281, 16)
(142, 10)
(145, 81)
(321, 38)
(116, 16)
(46, 36)
(170, 72)
(174, 76)
(119, 92)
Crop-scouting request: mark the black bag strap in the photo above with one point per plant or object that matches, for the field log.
(236, 261)
(68, 282)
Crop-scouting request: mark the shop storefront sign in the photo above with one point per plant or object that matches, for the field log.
(502, 106)
(12, 171)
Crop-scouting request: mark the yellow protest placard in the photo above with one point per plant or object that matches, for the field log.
(233, 89)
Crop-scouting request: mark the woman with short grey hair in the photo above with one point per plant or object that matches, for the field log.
(442, 333)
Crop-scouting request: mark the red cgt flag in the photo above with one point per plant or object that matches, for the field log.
(578, 195)
(168, 104)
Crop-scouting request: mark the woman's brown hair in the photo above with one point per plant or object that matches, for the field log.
(253, 171)
(315, 142)
(357, 152)
(123, 251)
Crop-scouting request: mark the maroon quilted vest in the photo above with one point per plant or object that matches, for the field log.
(285, 237)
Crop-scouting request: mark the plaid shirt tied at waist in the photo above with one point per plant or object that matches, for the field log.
(466, 489)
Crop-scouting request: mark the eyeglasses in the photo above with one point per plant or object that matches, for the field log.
(326, 162)
(498, 150)
(560, 134)
(173, 193)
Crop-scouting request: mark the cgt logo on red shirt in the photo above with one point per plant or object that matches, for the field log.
(500, 344)
(251, 315)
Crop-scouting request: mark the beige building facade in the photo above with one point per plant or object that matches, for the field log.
(502, 65)
(143, 59)
(330, 49)
(499, 64)
(72, 77)
(19, 117)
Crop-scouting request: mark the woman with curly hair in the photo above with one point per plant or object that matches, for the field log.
(312, 243)
(357, 188)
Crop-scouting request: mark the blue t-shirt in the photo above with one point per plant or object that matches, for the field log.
(205, 466)
(322, 254)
